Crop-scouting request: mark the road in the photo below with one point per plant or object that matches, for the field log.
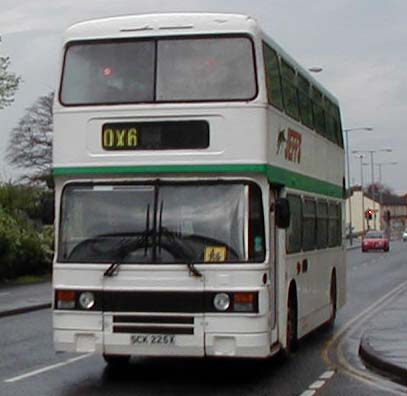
(326, 363)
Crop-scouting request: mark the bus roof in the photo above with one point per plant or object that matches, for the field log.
(160, 24)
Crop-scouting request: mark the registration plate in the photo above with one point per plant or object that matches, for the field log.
(152, 339)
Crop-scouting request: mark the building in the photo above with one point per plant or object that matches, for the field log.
(383, 211)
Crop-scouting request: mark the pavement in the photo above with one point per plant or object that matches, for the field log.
(383, 345)
(24, 298)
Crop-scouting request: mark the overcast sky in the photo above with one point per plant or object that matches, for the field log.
(360, 44)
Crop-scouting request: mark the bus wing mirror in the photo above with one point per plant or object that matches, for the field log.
(282, 213)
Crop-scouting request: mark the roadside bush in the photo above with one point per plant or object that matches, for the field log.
(25, 244)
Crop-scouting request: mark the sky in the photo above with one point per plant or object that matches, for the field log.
(359, 44)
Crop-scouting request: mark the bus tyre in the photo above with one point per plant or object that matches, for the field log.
(292, 320)
(116, 361)
(332, 302)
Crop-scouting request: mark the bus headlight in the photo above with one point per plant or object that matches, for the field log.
(86, 300)
(221, 301)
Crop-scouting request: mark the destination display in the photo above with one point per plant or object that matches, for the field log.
(169, 135)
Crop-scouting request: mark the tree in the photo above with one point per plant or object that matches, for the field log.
(30, 144)
(9, 82)
(376, 188)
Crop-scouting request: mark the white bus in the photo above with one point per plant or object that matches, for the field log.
(199, 175)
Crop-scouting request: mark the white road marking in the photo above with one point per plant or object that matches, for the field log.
(323, 379)
(4, 294)
(308, 393)
(48, 368)
(317, 385)
(327, 374)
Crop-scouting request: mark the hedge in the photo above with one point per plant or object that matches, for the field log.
(25, 243)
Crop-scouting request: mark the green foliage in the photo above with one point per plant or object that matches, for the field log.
(25, 244)
(9, 83)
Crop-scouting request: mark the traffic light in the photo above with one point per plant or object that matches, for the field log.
(369, 214)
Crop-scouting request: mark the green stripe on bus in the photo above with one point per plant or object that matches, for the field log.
(274, 174)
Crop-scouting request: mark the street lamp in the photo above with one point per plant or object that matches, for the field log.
(384, 224)
(347, 130)
(361, 156)
(380, 164)
(371, 152)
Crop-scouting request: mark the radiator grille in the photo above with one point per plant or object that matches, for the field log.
(134, 324)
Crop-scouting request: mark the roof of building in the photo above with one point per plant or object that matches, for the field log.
(384, 198)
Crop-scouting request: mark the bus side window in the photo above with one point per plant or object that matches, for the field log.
(304, 96)
(293, 235)
(322, 225)
(319, 112)
(309, 225)
(273, 78)
(289, 90)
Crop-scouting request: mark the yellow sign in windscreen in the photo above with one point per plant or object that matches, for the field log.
(215, 254)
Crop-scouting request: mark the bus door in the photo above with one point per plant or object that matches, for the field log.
(273, 257)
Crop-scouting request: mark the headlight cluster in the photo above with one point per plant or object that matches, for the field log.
(69, 299)
(221, 301)
(86, 300)
(236, 302)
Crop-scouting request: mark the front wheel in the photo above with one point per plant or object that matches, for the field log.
(332, 302)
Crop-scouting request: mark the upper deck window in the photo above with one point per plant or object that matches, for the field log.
(162, 70)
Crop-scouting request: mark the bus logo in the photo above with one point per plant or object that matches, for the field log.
(292, 143)
(281, 139)
(293, 146)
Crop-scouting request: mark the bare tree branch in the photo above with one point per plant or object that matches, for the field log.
(30, 144)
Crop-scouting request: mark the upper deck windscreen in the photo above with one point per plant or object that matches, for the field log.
(160, 70)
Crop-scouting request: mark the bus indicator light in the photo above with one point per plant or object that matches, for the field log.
(244, 302)
(65, 299)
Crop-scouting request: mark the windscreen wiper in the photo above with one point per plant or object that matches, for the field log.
(175, 241)
(112, 270)
(127, 246)
(193, 270)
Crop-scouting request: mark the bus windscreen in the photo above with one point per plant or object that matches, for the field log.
(159, 224)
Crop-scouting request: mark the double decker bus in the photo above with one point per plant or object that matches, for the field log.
(199, 175)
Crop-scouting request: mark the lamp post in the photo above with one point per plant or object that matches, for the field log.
(363, 194)
(347, 130)
(371, 152)
(379, 165)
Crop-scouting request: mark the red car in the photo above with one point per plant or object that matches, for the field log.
(375, 240)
